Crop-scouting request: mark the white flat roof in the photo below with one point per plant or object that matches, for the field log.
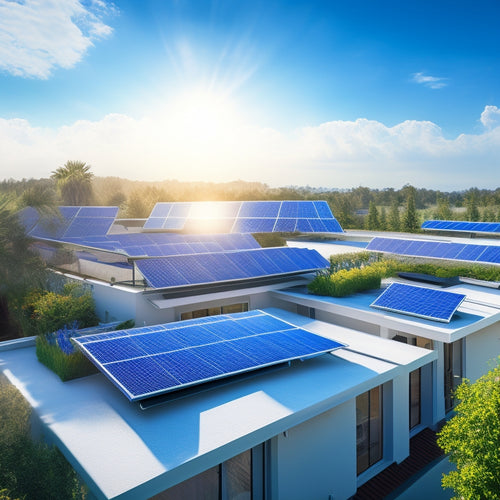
(480, 309)
(126, 453)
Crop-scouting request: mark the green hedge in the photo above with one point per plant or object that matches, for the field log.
(346, 282)
(67, 366)
(45, 311)
(30, 470)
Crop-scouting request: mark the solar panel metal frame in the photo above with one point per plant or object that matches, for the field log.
(270, 331)
(394, 290)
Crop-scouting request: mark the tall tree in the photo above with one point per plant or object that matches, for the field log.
(472, 439)
(394, 223)
(74, 181)
(443, 210)
(410, 219)
(372, 219)
(472, 211)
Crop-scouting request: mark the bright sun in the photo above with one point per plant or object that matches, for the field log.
(205, 112)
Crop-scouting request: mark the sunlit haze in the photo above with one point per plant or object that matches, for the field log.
(325, 94)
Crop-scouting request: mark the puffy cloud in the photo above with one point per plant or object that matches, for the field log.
(433, 82)
(37, 36)
(335, 154)
(490, 117)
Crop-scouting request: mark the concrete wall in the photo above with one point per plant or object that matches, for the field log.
(481, 350)
(318, 458)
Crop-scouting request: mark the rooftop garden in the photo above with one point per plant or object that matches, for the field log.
(355, 272)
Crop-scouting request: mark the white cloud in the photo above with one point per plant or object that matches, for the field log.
(490, 117)
(37, 36)
(433, 82)
(338, 154)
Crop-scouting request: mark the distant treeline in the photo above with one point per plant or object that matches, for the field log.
(137, 198)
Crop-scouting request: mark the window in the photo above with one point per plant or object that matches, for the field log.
(415, 398)
(453, 374)
(239, 477)
(214, 311)
(310, 312)
(369, 438)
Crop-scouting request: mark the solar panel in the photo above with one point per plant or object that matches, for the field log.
(148, 361)
(244, 217)
(73, 222)
(462, 226)
(487, 254)
(197, 269)
(428, 303)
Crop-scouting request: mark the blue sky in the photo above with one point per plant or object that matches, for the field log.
(334, 94)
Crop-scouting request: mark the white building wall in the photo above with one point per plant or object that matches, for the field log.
(481, 350)
(318, 458)
(114, 303)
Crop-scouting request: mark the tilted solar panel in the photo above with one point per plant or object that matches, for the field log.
(72, 222)
(488, 254)
(427, 303)
(149, 361)
(197, 269)
(462, 226)
(244, 217)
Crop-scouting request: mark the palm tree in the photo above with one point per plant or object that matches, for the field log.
(74, 181)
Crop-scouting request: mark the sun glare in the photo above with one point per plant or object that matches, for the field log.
(205, 113)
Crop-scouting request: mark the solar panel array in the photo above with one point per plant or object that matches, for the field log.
(73, 222)
(164, 244)
(462, 226)
(197, 269)
(427, 303)
(485, 254)
(244, 217)
(149, 361)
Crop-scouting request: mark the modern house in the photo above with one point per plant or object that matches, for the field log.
(311, 427)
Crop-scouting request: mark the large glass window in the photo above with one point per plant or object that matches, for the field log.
(415, 398)
(240, 477)
(369, 438)
(453, 371)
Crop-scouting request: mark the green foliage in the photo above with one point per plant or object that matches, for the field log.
(28, 469)
(353, 272)
(472, 439)
(394, 224)
(410, 220)
(67, 366)
(372, 220)
(266, 240)
(46, 312)
(74, 181)
(125, 325)
(349, 281)
(472, 212)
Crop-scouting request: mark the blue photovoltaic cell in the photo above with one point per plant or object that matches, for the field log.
(243, 217)
(463, 226)
(428, 303)
(75, 222)
(149, 361)
(437, 249)
(197, 269)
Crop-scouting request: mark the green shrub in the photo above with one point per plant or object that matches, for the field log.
(28, 469)
(354, 272)
(125, 325)
(46, 311)
(67, 366)
(346, 282)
